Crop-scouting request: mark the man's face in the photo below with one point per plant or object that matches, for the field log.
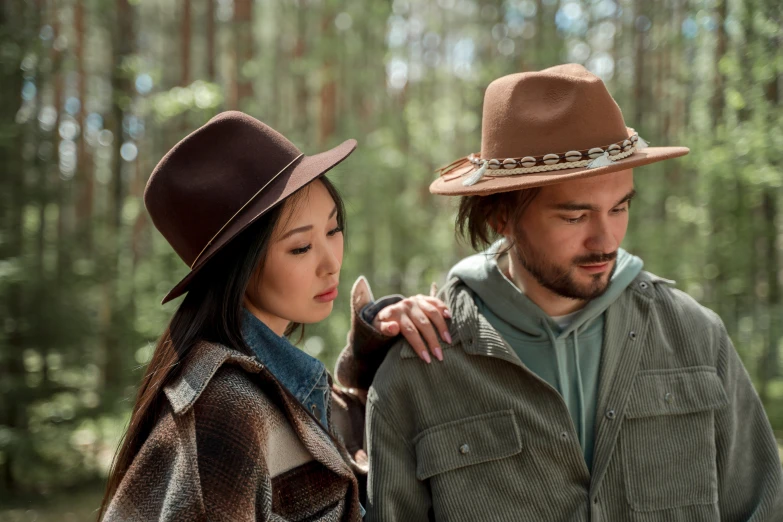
(567, 238)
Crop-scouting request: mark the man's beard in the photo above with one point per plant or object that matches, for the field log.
(563, 280)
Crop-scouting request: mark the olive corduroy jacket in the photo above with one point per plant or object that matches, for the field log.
(680, 436)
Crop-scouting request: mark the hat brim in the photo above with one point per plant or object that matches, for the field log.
(450, 184)
(305, 170)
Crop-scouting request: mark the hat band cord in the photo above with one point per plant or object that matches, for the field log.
(242, 208)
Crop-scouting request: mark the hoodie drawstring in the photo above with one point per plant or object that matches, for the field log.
(581, 392)
(562, 378)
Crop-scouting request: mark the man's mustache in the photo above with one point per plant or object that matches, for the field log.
(594, 259)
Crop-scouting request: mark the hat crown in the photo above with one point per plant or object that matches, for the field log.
(206, 178)
(553, 111)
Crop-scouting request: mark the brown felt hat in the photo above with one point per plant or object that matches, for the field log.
(547, 127)
(221, 178)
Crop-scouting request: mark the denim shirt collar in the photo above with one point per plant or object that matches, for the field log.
(297, 371)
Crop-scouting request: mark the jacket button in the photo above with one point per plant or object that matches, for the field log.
(316, 411)
(632, 335)
(610, 414)
(464, 449)
(564, 435)
(669, 398)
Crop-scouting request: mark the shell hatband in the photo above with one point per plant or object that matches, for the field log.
(550, 159)
(590, 158)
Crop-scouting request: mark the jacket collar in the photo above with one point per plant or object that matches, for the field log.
(478, 337)
(203, 362)
(293, 368)
(297, 371)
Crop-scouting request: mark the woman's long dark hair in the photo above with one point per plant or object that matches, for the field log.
(211, 311)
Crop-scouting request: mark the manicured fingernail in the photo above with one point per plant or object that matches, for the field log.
(426, 356)
(447, 314)
(438, 353)
(446, 336)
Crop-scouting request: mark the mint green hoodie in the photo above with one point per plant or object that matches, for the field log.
(567, 359)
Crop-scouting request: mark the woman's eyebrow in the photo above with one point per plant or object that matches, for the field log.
(304, 228)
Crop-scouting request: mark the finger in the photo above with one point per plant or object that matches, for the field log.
(427, 331)
(386, 313)
(433, 289)
(440, 305)
(435, 317)
(390, 328)
(411, 335)
(384, 316)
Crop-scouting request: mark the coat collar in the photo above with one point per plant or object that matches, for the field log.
(297, 371)
(202, 363)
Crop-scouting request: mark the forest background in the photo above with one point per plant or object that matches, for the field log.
(94, 92)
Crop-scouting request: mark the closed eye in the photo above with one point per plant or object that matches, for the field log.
(336, 230)
(301, 250)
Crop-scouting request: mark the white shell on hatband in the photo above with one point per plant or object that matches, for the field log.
(613, 149)
(509, 163)
(528, 161)
(494, 164)
(551, 159)
(595, 152)
(573, 155)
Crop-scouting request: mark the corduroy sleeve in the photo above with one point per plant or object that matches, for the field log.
(750, 478)
(394, 494)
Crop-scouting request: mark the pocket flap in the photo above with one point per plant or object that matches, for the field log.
(468, 441)
(678, 392)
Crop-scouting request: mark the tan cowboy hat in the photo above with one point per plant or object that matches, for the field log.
(547, 127)
(221, 178)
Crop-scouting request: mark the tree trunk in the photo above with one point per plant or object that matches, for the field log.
(211, 74)
(184, 78)
(243, 17)
(83, 178)
(718, 99)
(110, 317)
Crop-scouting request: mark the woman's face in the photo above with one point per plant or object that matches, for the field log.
(298, 280)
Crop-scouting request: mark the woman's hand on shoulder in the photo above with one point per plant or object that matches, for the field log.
(421, 319)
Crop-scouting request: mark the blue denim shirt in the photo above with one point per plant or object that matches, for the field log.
(304, 376)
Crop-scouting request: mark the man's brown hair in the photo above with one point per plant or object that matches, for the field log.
(480, 218)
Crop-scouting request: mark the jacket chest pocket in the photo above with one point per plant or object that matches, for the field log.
(668, 439)
(466, 442)
(466, 462)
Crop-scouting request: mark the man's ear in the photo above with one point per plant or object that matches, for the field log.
(499, 223)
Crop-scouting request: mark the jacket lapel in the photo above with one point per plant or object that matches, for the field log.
(625, 333)
(313, 437)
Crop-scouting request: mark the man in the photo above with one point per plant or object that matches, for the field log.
(577, 387)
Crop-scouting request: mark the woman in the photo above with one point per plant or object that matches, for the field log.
(231, 421)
